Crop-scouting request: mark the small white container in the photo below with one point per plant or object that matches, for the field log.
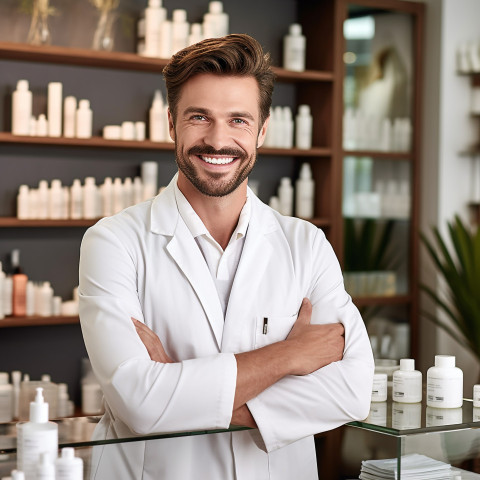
(128, 131)
(21, 109)
(285, 196)
(305, 193)
(76, 199)
(54, 112)
(6, 399)
(68, 466)
(69, 110)
(112, 132)
(476, 395)
(90, 198)
(155, 15)
(149, 179)
(55, 200)
(294, 49)
(157, 118)
(303, 128)
(180, 30)
(379, 387)
(140, 131)
(407, 383)
(444, 383)
(23, 202)
(83, 119)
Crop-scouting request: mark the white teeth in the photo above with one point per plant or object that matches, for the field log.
(218, 161)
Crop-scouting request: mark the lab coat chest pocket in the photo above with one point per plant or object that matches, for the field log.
(271, 329)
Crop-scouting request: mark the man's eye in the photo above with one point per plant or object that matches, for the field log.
(197, 117)
(239, 121)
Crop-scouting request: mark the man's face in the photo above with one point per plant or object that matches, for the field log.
(217, 132)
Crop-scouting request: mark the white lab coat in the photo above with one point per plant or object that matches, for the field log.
(143, 262)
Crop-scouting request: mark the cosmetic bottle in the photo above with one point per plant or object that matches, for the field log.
(67, 466)
(303, 128)
(287, 127)
(69, 113)
(137, 190)
(7, 295)
(83, 119)
(43, 199)
(215, 22)
(127, 192)
(36, 436)
(155, 15)
(17, 475)
(54, 111)
(118, 198)
(33, 203)
(304, 193)
(285, 196)
(196, 33)
(45, 468)
(149, 179)
(46, 299)
(278, 127)
(42, 126)
(63, 399)
(139, 128)
(21, 109)
(3, 277)
(90, 198)
(23, 202)
(128, 131)
(180, 29)
(165, 47)
(19, 287)
(444, 383)
(16, 379)
(30, 299)
(157, 119)
(32, 130)
(6, 399)
(107, 197)
(379, 387)
(407, 383)
(76, 199)
(55, 200)
(294, 48)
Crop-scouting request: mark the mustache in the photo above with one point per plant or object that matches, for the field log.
(209, 150)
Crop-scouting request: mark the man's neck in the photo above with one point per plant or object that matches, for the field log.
(219, 214)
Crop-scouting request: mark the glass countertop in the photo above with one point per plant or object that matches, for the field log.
(398, 419)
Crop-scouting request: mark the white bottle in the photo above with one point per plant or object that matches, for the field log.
(139, 131)
(287, 127)
(379, 387)
(55, 200)
(30, 300)
(165, 47)
(90, 198)
(21, 109)
(23, 202)
(128, 130)
(155, 15)
(45, 468)
(67, 466)
(127, 192)
(305, 193)
(107, 197)
(118, 197)
(76, 199)
(43, 199)
(6, 399)
(33, 126)
(36, 436)
(63, 399)
(196, 33)
(215, 22)
(180, 29)
(2, 290)
(149, 179)
(294, 49)
(54, 112)
(444, 383)
(269, 136)
(17, 475)
(303, 128)
(137, 190)
(285, 196)
(157, 118)
(83, 119)
(7, 295)
(42, 126)
(407, 383)
(278, 129)
(69, 114)
(46, 300)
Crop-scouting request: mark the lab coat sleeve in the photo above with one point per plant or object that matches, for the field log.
(147, 396)
(298, 406)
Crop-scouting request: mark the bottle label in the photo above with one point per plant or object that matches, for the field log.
(71, 471)
(444, 391)
(404, 388)
(33, 442)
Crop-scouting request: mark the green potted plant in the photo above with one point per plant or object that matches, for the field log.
(459, 266)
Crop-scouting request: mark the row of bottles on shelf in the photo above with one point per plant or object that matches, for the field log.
(22, 297)
(367, 132)
(370, 194)
(87, 201)
(304, 195)
(282, 130)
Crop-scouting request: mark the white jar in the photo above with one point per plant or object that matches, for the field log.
(407, 383)
(6, 399)
(379, 387)
(444, 383)
(476, 395)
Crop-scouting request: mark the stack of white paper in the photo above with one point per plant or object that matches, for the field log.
(413, 466)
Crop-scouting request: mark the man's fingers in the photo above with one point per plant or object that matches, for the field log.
(305, 312)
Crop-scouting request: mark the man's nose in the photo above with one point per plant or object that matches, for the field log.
(218, 136)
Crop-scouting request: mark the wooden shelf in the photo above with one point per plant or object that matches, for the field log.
(99, 142)
(37, 321)
(122, 60)
(372, 301)
(378, 155)
(13, 222)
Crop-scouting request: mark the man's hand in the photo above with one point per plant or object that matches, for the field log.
(242, 416)
(152, 343)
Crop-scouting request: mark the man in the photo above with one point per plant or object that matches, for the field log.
(194, 305)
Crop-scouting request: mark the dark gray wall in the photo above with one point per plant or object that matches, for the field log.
(52, 253)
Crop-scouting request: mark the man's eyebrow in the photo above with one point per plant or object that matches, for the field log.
(207, 112)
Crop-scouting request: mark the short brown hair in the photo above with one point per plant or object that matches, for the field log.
(236, 54)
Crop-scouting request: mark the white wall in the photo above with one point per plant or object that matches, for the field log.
(447, 130)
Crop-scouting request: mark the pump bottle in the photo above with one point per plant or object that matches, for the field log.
(21, 109)
(36, 436)
(294, 45)
(305, 193)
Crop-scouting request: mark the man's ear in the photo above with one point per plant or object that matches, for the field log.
(171, 127)
(262, 132)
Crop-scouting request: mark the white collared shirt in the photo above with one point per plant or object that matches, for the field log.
(221, 263)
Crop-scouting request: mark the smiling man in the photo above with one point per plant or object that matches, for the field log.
(202, 307)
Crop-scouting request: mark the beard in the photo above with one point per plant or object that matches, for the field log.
(215, 185)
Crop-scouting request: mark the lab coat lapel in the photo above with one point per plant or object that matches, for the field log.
(256, 256)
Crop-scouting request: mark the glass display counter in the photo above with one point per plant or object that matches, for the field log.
(447, 435)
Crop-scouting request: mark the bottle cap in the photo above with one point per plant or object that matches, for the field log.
(84, 104)
(407, 364)
(56, 183)
(22, 85)
(15, 258)
(445, 361)
(196, 28)
(16, 377)
(295, 29)
(23, 190)
(117, 181)
(68, 452)
(304, 110)
(39, 408)
(285, 181)
(305, 171)
(155, 3)
(3, 378)
(89, 181)
(215, 7)
(179, 15)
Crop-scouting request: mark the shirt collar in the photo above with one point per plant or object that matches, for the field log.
(197, 227)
